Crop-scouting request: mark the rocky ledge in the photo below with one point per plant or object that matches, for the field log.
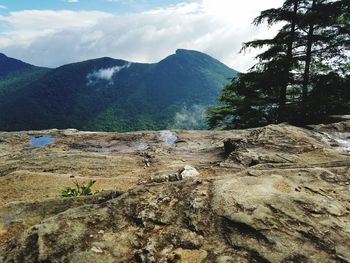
(272, 194)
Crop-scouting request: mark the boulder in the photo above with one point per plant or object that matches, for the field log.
(188, 172)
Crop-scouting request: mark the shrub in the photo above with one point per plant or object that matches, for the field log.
(79, 189)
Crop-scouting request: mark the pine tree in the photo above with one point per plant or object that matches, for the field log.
(313, 44)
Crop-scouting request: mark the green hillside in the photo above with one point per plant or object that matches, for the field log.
(16, 75)
(114, 95)
(11, 66)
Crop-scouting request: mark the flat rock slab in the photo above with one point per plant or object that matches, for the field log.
(277, 194)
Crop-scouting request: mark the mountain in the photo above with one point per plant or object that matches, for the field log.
(11, 65)
(16, 74)
(114, 95)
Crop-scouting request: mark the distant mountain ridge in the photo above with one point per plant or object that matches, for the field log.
(11, 65)
(107, 94)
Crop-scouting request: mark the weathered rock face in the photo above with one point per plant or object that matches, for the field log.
(273, 194)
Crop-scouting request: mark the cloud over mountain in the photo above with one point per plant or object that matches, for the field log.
(104, 74)
(217, 27)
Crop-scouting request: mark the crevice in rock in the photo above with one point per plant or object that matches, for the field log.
(253, 255)
(323, 244)
(30, 248)
(296, 259)
(243, 229)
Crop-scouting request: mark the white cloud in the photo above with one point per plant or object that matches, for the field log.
(30, 28)
(217, 27)
(3, 7)
(190, 118)
(104, 74)
(38, 20)
(72, 1)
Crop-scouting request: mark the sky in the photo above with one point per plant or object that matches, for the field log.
(55, 32)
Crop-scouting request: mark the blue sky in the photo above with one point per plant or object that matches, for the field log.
(112, 6)
(55, 32)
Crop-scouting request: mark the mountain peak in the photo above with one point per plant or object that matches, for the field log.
(196, 59)
(11, 65)
(114, 95)
(181, 51)
(189, 52)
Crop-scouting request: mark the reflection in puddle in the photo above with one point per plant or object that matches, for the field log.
(339, 140)
(121, 147)
(40, 141)
(142, 146)
(168, 137)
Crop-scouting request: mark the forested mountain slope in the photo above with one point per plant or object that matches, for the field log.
(115, 95)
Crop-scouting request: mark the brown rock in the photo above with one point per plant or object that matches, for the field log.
(281, 196)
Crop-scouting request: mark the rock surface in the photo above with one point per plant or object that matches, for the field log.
(272, 194)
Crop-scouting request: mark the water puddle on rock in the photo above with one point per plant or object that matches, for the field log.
(40, 141)
(338, 140)
(168, 137)
(142, 146)
(116, 146)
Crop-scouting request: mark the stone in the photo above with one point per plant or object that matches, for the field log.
(188, 171)
(174, 177)
(231, 145)
(96, 250)
(159, 178)
(279, 194)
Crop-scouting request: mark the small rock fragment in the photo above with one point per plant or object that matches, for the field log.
(174, 177)
(188, 171)
(159, 178)
(231, 145)
(97, 250)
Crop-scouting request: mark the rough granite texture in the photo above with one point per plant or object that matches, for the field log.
(272, 194)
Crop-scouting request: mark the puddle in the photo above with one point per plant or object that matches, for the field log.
(122, 147)
(40, 141)
(168, 137)
(339, 140)
(142, 146)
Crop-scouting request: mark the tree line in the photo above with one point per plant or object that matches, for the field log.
(303, 74)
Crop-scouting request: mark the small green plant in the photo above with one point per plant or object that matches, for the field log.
(42, 215)
(79, 189)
